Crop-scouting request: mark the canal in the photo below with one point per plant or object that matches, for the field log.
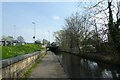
(77, 67)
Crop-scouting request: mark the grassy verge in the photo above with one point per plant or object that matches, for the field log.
(0, 52)
(13, 51)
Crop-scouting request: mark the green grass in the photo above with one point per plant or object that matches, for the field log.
(13, 51)
(0, 52)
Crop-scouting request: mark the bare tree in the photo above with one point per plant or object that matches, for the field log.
(105, 12)
(20, 39)
(74, 34)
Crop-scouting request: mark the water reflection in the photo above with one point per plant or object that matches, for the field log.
(77, 67)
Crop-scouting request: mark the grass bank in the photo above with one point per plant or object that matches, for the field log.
(13, 51)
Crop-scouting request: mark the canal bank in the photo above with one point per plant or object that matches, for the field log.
(97, 57)
(85, 67)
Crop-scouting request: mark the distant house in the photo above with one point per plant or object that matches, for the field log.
(2, 43)
(9, 43)
(14, 42)
(5, 43)
(21, 43)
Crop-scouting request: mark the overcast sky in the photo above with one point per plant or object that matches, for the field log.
(48, 17)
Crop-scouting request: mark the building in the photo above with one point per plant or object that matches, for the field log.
(4, 43)
(14, 42)
(1, 43)
(10, 43)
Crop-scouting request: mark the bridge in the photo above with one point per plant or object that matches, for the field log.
(53, 47)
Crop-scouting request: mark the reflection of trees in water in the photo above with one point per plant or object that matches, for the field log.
(114, 71)
(77, 67)
(114, 74)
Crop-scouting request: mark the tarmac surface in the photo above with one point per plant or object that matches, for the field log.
(49, 67)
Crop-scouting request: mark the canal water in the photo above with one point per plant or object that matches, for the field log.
(77, 67)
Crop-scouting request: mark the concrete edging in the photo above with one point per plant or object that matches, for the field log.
(16, 66)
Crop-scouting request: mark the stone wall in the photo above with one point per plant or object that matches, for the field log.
(15, 67)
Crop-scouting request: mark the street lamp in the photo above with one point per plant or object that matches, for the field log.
(49, 35)
(14, 30)
(34, 31)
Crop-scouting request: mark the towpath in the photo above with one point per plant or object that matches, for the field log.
(49, 67)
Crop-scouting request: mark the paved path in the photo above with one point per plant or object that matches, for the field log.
(49, 67)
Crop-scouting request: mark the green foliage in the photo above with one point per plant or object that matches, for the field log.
(0, 52)
(13, 51)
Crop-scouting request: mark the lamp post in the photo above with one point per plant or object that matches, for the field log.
(34, 30)
(14, 30)
(49, 35)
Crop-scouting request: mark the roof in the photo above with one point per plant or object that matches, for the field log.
(14, 41)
